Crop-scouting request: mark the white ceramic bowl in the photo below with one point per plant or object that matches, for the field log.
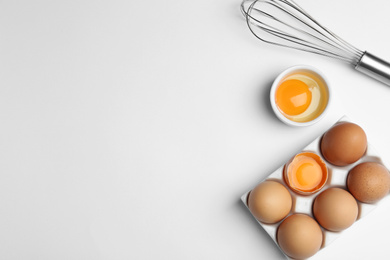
(281, 77)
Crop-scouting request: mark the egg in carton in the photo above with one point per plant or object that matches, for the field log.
(303, 203)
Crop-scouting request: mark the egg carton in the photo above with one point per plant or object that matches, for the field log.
(337, 177)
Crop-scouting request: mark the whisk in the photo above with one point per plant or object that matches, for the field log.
(284, 23)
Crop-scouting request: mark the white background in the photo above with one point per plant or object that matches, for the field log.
(130, 129)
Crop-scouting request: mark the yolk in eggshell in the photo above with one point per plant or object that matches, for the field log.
(306, 173)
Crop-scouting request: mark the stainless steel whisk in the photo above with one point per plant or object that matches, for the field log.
(284, 23)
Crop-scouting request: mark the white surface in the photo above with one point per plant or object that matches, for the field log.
(130, 129)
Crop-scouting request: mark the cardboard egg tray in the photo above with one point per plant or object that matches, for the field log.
(337, 177)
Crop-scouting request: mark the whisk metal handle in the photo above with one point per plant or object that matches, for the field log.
(374, 67)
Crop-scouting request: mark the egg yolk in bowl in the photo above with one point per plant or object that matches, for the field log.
(293, 97)
(301, 96)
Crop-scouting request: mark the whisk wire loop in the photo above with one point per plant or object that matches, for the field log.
(285, 23)
(295, 39)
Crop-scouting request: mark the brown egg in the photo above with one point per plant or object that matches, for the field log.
(335, 209)
(343, 144)
(299, 236)
(369, 182)
(270, 202)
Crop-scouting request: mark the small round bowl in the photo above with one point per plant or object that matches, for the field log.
(296, 70)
